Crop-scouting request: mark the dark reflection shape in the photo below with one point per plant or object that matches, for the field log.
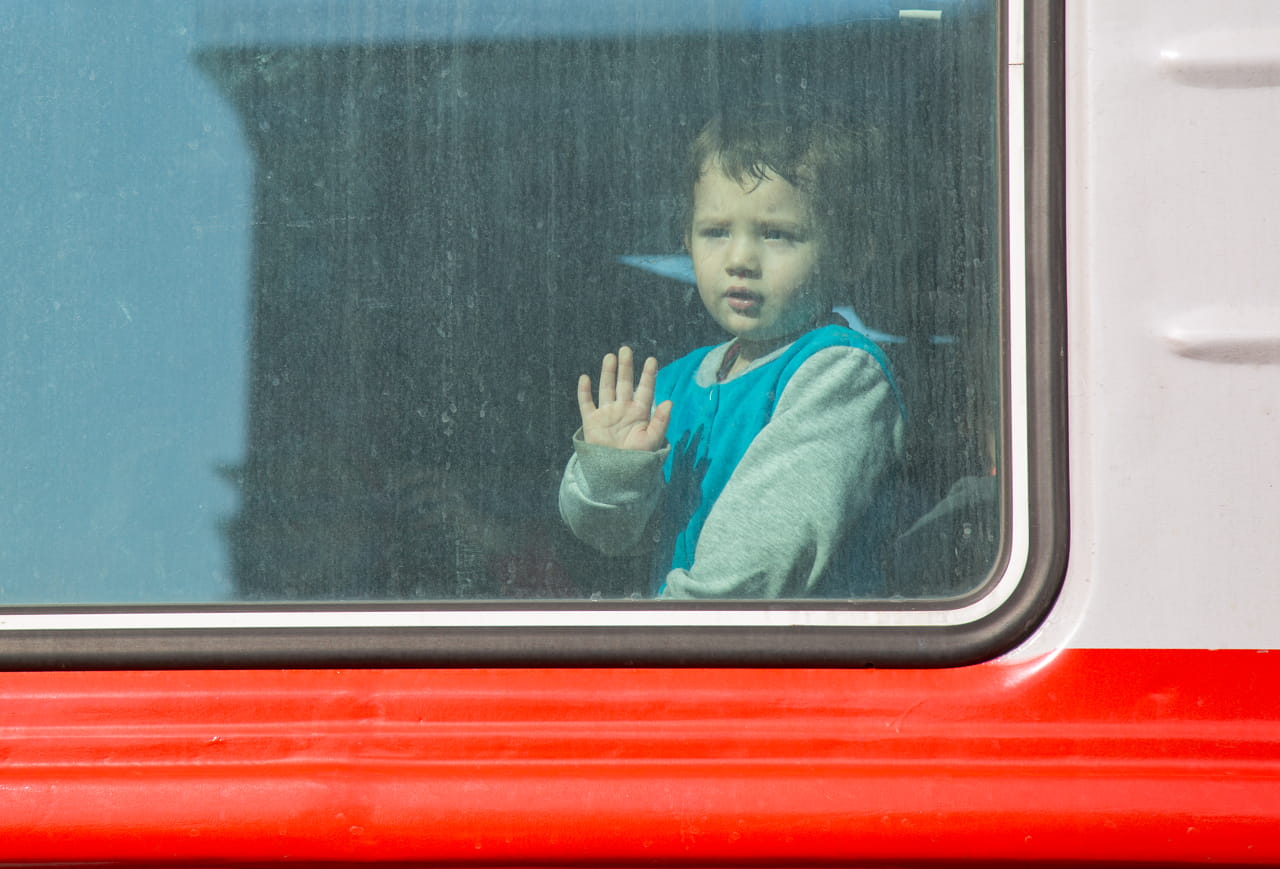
(436, 258)
(947, 549)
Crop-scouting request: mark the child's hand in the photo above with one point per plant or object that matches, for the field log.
(625, 418)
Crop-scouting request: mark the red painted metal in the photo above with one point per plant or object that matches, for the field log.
(1165, 756)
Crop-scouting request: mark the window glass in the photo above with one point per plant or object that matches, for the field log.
(299, 292)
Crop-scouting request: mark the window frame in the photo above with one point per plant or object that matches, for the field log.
(993, 619)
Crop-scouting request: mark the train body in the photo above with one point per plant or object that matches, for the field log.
(1120, 707)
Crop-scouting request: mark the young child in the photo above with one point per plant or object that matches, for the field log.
(756, 468)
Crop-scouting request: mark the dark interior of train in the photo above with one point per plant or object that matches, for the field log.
(437, 254)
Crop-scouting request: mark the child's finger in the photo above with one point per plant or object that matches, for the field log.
(586, 406)
(626, 376)
(644, 390)
(657, 429)
(608, 379)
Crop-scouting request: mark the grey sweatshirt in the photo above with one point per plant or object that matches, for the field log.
(800, 489)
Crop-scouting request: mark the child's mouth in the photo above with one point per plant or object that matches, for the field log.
(742, 301)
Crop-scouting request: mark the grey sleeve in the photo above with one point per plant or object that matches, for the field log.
(805, 480)
(608, 495)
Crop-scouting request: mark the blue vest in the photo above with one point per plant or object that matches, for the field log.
(712, 427)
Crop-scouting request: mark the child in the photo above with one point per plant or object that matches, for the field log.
(756, 466)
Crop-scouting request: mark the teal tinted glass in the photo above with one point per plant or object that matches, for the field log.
(299, 292)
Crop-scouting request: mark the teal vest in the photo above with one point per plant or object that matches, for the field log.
(712, 427)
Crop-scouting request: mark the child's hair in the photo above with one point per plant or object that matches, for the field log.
(820, 155)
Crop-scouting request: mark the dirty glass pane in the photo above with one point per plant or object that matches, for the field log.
(299, 292)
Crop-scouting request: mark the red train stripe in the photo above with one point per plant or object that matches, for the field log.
(1164, 756)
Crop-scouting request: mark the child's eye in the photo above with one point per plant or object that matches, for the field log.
(779, 235)
(714, 232)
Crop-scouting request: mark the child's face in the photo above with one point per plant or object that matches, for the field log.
(755, 255)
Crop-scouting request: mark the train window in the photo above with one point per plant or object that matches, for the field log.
(300, 294)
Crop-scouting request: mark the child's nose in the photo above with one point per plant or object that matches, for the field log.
(743, 258)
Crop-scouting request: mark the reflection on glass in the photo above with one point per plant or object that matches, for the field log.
(301, 290)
